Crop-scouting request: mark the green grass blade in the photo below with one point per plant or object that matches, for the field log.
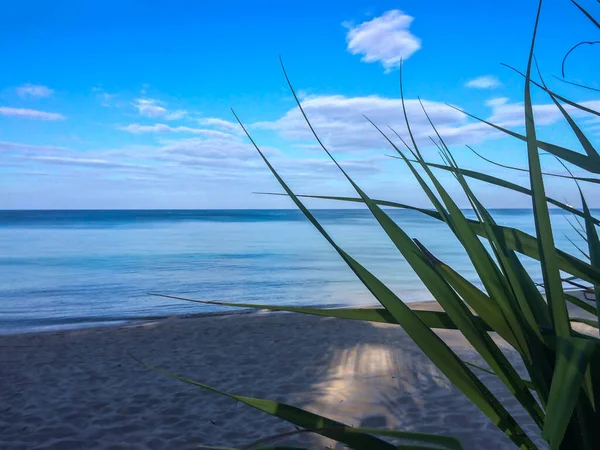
(441, 290)
(519, 169)
(594, 249)
(297, 416)
(434, 347)
(558, 96)
(580, 303)
(548, 257)
(573, 356)
(585, 255)
(571, 156)
(441, 442)
(590, 322)
(587, 14)
(503, 183)
(515, 239)
(583, 140)
(485, 267)
(433, 319)
(480, 303)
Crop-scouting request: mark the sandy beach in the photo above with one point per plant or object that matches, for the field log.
(80, 390)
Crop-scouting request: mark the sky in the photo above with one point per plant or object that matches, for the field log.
(127, 104)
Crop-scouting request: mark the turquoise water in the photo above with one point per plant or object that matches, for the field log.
(65, 269)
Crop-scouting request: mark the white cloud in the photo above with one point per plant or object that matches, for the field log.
(136, 128)
(484, 82)
(30, 113)
(386, 39)
(34, 90)
(499, 101)
(149, 107)
(152, 108)
(340, 123)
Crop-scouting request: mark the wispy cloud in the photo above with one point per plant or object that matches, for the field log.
(176, 115)
(105, 99)
(30, 113)
(34, 90)
(340, 123)
(498, 101)
(152, 108)
(25, 148)
(385, 39)
(87, 162)
(220, 123)
(484, 82)
(149, 107)
(164, 128)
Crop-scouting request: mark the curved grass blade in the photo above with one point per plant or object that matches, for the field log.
(433, 319)
(435, 348)
(583, 140)
(583, 86)
(573, 356)
(587, 14)
(519, 169)
(593, 242)
(485, 267)
(446, 442)
(515, 239)
(571, 51)
(297, 416)
(571, 156)
(548, 257)
(480, 303)
(528, 306)
(503, 183)
(594, 249)
(558, 96)
(590, 322)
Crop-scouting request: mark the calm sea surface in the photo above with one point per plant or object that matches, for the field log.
(65, 269)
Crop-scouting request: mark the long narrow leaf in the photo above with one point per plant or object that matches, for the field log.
(573, 355)
(571, 156)
(548, 257)
(516, 239)
(505, 184)
(433, 319)
(297, 416)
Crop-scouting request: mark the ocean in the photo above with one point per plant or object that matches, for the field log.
(73, 269)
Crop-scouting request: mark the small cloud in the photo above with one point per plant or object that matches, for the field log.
(34, 91)
(484, 82)
(107, 100)
(495, 102)
(220, 123)
(30, 113)
(149, 107)
(386, 39)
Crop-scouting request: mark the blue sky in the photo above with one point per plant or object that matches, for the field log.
(127, 104)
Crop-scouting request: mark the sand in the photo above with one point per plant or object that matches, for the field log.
(80, 389)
